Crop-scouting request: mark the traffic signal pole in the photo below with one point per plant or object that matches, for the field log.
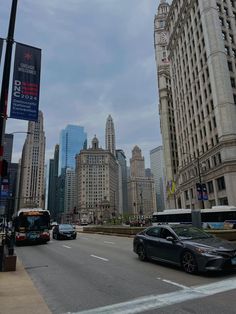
(5, 78)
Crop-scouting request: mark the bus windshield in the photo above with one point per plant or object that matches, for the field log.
(33, 223)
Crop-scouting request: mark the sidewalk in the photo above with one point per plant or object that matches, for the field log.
(18, 295)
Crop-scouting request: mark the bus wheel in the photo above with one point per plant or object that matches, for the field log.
(141, 253)
(189, 263)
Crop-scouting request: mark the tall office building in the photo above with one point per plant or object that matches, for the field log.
(201, 37)
(97, 183)
(72, 140)
(157, 167)
(32, 181)
(53, 206)
(123, 192)
(8, 145)
(110, 136)
(141, 190)
(166, 108)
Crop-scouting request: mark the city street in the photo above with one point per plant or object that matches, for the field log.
(95, 271)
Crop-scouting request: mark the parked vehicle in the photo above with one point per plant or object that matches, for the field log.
(64, 231)
(186, 246)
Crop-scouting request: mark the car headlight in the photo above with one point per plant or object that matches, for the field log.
(203, 250)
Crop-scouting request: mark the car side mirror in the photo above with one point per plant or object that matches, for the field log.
(171, 239)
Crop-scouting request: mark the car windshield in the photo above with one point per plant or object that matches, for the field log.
(185, 232)
(66, 227)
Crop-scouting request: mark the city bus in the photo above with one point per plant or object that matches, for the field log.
(31, 225)
(211, 218)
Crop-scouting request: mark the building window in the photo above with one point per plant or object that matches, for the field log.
(210, 187)
(223, 201)
(221, 183)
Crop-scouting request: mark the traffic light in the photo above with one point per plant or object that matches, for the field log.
(4, 168)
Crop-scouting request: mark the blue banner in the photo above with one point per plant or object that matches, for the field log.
(26, 83)
(1, 45)
(4, 188)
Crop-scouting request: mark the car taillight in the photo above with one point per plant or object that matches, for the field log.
(20, 236)
(45, 235)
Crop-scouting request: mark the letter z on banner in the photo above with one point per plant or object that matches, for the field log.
(26, 83)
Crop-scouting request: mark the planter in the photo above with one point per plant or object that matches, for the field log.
(9, 263)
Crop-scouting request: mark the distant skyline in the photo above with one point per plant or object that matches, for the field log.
(97, 59)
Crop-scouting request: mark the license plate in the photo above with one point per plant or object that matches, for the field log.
(233, 261)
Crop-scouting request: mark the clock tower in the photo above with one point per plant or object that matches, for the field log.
(160, 33)
(166, 110)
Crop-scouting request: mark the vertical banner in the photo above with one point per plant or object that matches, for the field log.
(26, 83)
(1, 45)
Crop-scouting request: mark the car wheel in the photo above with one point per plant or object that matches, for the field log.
(142, 253)
(189, 263)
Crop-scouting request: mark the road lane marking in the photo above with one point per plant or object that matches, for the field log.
(109, 242)
(173, 283)
(152, 302)
(84, 238)
(102, 258)
(68, 247)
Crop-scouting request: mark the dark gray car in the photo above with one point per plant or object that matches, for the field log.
(186, 246)
(64, 231)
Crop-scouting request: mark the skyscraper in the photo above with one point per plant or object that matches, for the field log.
(72, 140)
(32, 184)
(201, 43)
(97, 184)
(157, 167)
(166, 107)
(123, 192)
(53, 185)
(141, 190)
(110, 136)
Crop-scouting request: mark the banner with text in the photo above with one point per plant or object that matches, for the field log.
(1, 45)
(26, 83)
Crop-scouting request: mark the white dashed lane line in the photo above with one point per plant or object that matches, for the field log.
(101, 258)
(173, 283)
(66, 246)
(109, 242)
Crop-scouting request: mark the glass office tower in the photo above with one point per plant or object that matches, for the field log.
(72, 140)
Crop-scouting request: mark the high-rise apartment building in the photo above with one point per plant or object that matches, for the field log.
(166, 108)
(157, 167)
(110, 136)
(72, 140)
(97, 184)
(32, 181)
(141, 190)
(200, 37)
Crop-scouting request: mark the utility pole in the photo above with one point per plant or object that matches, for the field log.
(6, 77)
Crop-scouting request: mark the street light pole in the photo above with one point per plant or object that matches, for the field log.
(200, 182)
(6, 76)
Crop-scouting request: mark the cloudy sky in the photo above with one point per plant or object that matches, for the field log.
(97, 59)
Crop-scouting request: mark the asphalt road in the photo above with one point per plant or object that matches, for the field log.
(97, 271)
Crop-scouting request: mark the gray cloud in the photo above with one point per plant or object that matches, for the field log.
(97, 59)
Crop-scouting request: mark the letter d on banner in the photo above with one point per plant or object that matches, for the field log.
(26, 83)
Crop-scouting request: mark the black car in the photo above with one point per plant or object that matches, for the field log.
(64, 231)
(186, 246)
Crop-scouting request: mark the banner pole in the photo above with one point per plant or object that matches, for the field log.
(5, 78)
